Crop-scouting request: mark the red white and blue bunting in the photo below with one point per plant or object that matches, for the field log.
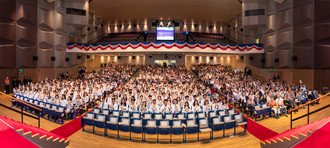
(164, 47)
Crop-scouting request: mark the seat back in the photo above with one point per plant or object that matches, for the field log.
(203, 123)
(177, 123)
(231, 112)
(151, 123)
(191, 122)
(212, 114)
(264, 106)
(158, 116)
(96, 110)
(100, 117)
(48, 105)
(137, 122)
(90, 115)
(115, 113)
(135, 115)
(227, 119)
(106, 112)
(54, 107)
(181, 116)
(238, 118)
(164, 123)
(222, 113)
(113, 119)
(169, 116)
(60, 109)
(147, 116)
(201, 115)
(216, 120)
(125, 121)
(125, 114)
(191, 115)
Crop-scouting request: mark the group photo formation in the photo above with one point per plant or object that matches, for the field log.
(155, 73)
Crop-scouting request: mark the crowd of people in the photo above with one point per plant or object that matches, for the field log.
(158, 89)
(77, 95)
(246, 92)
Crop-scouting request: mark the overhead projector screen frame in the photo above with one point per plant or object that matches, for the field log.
(165, 34)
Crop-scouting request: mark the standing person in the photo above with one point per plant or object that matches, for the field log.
(7, 85)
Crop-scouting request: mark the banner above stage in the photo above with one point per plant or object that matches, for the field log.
(165, 47)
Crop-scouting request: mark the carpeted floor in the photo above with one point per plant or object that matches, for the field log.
(259, 130)
(69, 128)
(10, 138)
(319, 138)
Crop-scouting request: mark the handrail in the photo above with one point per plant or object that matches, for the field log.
(21, 111)
(310, 102)
(308, 112)
(20, 101)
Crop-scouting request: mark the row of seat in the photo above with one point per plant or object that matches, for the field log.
(55, 112)
(168, 125)
(148, 115)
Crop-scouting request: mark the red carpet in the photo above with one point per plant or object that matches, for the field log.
(301, 129)
(18, 125)
(319, 138)
(68, 129)
(258, 130)
(10, 138)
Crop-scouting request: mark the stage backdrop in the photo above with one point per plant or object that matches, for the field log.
(165, 47)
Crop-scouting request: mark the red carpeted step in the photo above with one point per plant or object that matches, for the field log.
(26, 128)
(10, 138)
(302, 129)
(320, 138)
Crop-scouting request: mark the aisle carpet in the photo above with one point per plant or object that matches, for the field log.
(69, 128)
(10, 138)
(258, 130)
(319, 138)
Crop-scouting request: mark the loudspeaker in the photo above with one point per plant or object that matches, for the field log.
(228, 26)
(52, 58)
(133, 57)
(176, 23)
(276, 60)
(180, 56)
(196, 57)
(88, 56)
(95, 27)
(134, 25)
(210, 26)
(262, 60)
(294, 58)
(211, 58)
(78, 57)
(195, 25)
(154, 23)
(67, 59)
(150, 56)
(242, 30)
(118, 57)
(234, 28)
(251, 57)
(35, 58)
(242, 57)
(101, 25)
(88, 29)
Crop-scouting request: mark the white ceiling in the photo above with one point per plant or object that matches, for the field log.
(190, 11)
